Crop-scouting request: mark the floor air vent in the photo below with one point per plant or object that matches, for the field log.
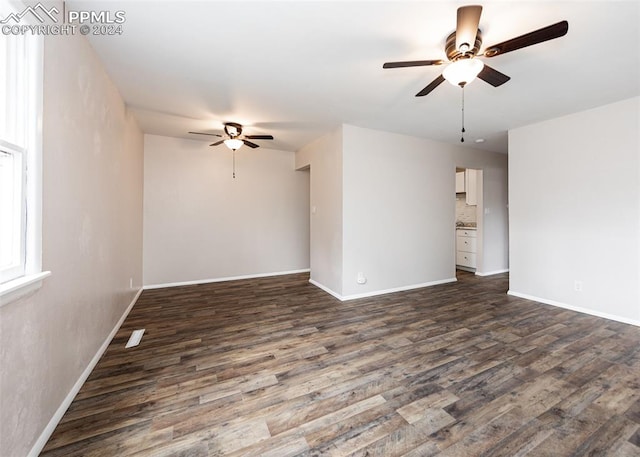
(135, 338)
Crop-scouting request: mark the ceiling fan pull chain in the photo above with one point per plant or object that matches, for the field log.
(462, 136)
(234, 164)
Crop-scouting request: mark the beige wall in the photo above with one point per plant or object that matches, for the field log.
(385, 206)
(574, 192)
(399, 210)
(92, 243)
(324, 157)
(202, 224)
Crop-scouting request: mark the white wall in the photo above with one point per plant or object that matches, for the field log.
(574, 185)
(202, 224)
(399, 211)
(92, 243)
(393, 210)
(324, 157)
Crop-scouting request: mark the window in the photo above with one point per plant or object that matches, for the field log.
(12, 212)
(20, 157)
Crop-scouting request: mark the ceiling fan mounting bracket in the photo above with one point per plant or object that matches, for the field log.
(492, 51)
(454, 54)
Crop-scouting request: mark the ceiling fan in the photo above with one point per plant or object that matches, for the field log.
(233, 137)
(462, 49)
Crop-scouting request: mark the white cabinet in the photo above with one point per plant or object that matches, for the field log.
(466, 248)
(471, 186)
(467, 182)
(466, 243)
(460, 178)
(466, 259)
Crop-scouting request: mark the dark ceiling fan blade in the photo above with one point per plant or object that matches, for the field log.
(250, 144)
(493, 76)
(210, 134)
(467, 26)
(432, 85)
(259, 137)
(217, 143)
(537, 36)
(412, 63)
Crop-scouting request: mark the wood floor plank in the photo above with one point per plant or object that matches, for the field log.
(413, 411)
(570, 433)
(299, 410)
(276, 367)
(484, 437)
(234, 437)
(275, 447)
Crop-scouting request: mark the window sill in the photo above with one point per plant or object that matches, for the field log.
(17, 288)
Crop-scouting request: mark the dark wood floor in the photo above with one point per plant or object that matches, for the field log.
(277, 367)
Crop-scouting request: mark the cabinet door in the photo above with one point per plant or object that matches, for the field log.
(460, 182)
(465, 244)
(471, 186)
(466, 259)
(466, 232)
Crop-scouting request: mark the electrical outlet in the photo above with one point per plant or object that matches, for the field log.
(361, 279)
(577, 285)
(130, 283)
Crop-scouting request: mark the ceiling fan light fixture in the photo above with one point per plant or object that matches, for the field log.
(463, 71)
(233, 143)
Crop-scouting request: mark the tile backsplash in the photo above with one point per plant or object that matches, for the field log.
(465, 213)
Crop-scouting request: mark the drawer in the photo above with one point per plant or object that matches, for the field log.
(466, 259)
(466, 232)
(465, 243)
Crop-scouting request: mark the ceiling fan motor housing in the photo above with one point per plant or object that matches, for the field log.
(454, 54)
(232, 129)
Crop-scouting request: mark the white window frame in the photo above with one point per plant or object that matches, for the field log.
(27, 275)
(15, 242)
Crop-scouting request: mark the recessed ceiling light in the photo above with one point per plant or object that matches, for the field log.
(480, 140)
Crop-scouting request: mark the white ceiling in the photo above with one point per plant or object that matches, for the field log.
(296, 70)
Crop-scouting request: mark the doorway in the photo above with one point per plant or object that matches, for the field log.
(468, 210)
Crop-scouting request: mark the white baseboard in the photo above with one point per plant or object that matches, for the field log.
(326, 289)
(53, 423)
(399, 289)
(579, 309)
(380, 292)
(228, 278)
(490, 273)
